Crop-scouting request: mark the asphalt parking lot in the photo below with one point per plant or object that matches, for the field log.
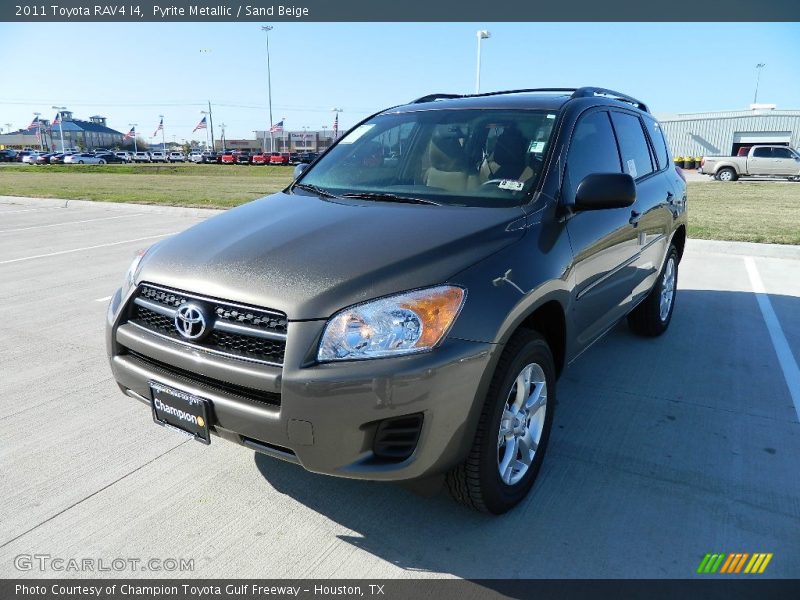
(663, 450)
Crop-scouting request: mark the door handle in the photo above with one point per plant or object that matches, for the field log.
(635, 216)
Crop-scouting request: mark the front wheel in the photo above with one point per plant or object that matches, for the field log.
(513, 430)
(652, 317)
(727, 174)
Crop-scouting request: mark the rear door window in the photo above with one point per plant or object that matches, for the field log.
(762, 153)
(636, 158)
(659, 143)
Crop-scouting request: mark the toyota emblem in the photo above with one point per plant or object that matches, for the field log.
(190, 321)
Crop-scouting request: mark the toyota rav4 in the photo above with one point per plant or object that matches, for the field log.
(404, 308)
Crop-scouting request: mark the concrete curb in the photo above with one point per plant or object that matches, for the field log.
(121, 206)
(744, 249)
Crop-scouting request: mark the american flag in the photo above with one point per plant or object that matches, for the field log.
(336, 126)
(130, 134)
(201, 125)
(34, 124)
(56, 121)
(160, 128)
(277, 127)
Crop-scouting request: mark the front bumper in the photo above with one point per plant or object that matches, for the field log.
(326, 416)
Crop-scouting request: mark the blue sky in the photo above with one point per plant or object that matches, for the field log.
(134, 72)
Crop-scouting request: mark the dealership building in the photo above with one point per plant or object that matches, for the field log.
(723, 133)
(77, 133)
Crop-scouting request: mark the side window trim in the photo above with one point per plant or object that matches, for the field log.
(652, 142)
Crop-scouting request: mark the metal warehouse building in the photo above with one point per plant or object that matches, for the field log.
(723, 133)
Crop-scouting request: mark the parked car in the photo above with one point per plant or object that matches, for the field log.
(142, 157)
(124, 155)
(85, 158)
(259, 158)
(228, 157)
(279, 158)
(158, 156)
(306, 157)
(395, 323)
(242, 158)
(101, 151)
(196, 157)
(8, 155)
(778, 161)
(111, 158)
(176, 157)
(44, 159)
(57, 159)
(29, 157)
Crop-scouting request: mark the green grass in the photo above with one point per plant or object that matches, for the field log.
(207, 186)
(766, 212)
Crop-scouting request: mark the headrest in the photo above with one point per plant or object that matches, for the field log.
(446, 154)
(510, 148)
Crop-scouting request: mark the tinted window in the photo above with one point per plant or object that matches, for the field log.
(782, 153)
(659, 143)
(632, 145)
(593, 150)
(762, 153)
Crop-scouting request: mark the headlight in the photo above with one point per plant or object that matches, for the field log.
(130, 276)
(396, 325)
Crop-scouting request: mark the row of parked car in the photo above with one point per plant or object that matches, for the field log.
(103, 156)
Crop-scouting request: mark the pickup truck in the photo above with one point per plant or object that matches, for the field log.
(778, 161)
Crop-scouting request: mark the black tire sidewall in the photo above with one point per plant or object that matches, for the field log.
(497, 495)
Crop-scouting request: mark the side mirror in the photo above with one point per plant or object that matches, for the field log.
(299, 168)
(605, 190)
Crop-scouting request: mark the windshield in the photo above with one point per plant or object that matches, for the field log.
(460, 157)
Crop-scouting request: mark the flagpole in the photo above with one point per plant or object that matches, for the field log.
(60, 121)
(211, 125)
(266, 29)
(163, 143)
(39, 130)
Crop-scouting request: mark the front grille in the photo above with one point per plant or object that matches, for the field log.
(214, 385)
(245, 332)
(396, 439)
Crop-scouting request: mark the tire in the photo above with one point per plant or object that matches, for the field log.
(102, 162)
(652, 317)
(80, 162)
(477, 482)
(726, 174)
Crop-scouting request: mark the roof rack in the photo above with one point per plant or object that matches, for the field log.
(584, 92)
(588, 92)
(432, 97)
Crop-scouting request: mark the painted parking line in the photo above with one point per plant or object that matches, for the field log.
(150, 237)
(68, 223)
(791, 372)
(15, 212)
(103, 299)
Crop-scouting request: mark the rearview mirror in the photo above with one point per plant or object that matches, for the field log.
(605, 190)
(299, 168)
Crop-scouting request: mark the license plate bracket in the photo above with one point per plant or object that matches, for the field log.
(179, 410)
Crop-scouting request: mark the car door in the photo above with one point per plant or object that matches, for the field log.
(785, 162)
(760, 161)
(651, 215)
(604, 242)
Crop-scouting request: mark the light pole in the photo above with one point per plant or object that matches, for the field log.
(759, 66)
(163, 143)
(134, 126)
(266, 29)
(60, 126)
(336, 122)
(324, 136)
(483, 34)
(223, 137)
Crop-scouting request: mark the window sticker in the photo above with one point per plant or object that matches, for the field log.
(632, 168)
(511, 184)
(356, 133)
(536, 147)
(551, 116)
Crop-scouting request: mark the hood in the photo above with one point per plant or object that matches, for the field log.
(310, 257)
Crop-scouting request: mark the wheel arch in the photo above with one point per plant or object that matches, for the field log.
(679, 240)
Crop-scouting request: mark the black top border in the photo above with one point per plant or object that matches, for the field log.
(139, 11)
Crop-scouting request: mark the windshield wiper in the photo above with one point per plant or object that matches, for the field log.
(387, 197)
(314, 189)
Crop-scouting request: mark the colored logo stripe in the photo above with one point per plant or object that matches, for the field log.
(734, 562)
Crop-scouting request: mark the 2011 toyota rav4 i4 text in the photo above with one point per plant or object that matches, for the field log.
(404, 308)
